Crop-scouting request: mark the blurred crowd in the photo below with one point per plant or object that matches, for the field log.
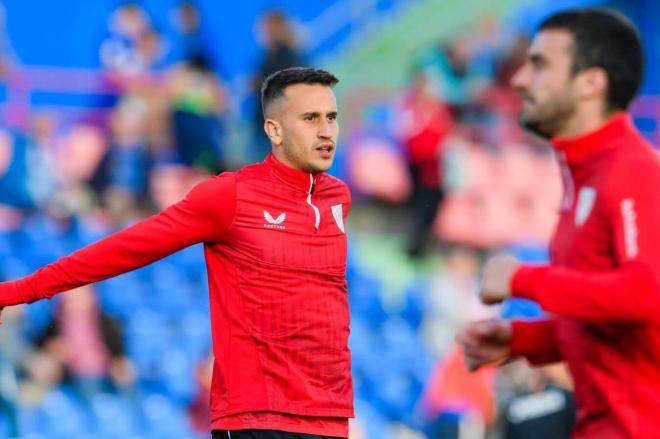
(444, 155)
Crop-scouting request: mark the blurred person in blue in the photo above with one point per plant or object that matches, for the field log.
(189, 42)
(198, 110)
(455, 75)
(121, 179)
(14, 353)
(119, 51)
(44, 179)
(8, 400)
(14, 169)
(281, 51)
(7, 55)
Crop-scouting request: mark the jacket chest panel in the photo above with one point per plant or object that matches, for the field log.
(282, 226)
(583, 238)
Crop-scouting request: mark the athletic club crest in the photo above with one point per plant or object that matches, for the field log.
(585, 203)
(338, 215)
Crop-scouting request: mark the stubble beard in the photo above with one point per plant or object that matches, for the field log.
(552, 118)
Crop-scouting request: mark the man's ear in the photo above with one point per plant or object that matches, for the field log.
(593, 82)
(273, 130)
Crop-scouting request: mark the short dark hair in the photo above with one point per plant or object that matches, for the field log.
(274, 85)
(606, 39)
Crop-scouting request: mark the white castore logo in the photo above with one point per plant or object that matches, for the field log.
(274, 223)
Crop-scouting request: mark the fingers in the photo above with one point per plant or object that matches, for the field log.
(484, 329)
(484, 342)
(468, 340)
(1, 308)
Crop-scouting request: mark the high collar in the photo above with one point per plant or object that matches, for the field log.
(578, 149)
(294, 177)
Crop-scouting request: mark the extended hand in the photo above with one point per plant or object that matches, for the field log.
(485, 342)
(496, 280)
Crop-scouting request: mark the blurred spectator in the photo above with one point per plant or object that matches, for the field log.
(281, 52)
(119, 51)
(13, 346)
(79, 151)
(151, 52)
(43, 176)
(6, 52)
(198, 112)
(455, 75)
(122, 177)
(499, 102)
(425, 123)
(87, 344)
(15, 150)
(168, 183)
(542, 406)
(187, 22)
(468, 399)
(199, 410)
(135, 54)
(8, 398)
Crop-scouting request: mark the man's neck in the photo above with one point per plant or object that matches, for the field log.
(584, 122)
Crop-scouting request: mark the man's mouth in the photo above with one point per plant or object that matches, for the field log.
(326, 147)
(527, 98)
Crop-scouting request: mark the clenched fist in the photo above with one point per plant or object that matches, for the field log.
(485, 342)
(496, 281)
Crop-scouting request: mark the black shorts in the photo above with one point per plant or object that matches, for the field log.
(264, 434)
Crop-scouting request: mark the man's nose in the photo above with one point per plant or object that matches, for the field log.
(520, 79)
(325, 129)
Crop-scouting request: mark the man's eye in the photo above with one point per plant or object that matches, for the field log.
(538, 64)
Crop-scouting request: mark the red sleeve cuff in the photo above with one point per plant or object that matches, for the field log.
(522, 341)
(536, 340)
(526, 280)
(17, 292)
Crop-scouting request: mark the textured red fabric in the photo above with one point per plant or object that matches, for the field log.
(275, 251)
(603, 283)
(536, 340)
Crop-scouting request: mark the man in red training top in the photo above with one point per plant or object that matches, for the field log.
(602, 287)
(275, 249)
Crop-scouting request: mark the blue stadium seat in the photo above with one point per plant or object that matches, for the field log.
(122, 295)
(178, 372)
(113, 417)
(195, 333)
(62, 417)
(147, 335)
(163, 420)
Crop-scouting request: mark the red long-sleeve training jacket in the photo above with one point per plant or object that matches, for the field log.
(603, 285)
(275, 251)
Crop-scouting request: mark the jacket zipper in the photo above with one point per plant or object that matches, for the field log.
(317, 214)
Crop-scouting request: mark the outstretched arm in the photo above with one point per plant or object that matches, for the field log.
(204, 215)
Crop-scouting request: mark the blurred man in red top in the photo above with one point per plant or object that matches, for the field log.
(602, 287)
(425, 123)
(275, 248)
